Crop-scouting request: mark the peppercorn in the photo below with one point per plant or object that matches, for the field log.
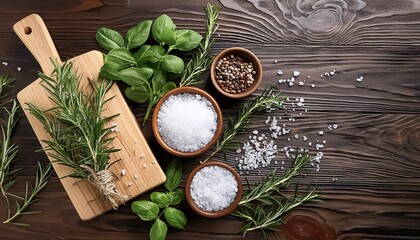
(234, 74)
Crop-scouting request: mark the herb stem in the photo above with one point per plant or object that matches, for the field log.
(265, 102)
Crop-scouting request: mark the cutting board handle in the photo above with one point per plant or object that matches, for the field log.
(34, 34)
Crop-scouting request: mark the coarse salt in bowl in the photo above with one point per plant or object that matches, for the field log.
(213, 189)
(187, 121)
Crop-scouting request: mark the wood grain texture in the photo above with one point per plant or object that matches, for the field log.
(374, 152)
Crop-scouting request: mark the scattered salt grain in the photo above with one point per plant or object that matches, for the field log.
(296, 136)
(324, 142)
(291, 84)
(335, 126)
(187, 122)
(301, 83)
(213, 188)
(114, 127)
(136, 176)
(296, 73)
(321, 133)
(276, 61)
(19, 69)
(144, 165)
(304, 138)
(279, 72)
(5, 63)
(309, 77)
(123, 172)
(312, 85)
(135, 141)
(129, 184)
(255, 132)
(359, 79)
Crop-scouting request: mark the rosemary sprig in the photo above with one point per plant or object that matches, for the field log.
(8, 152)
(266, 101)
(4, 82)
(263, 207)
(42, 176)
(201, 59)
(79, 136)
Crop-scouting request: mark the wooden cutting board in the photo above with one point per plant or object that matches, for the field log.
(142, 170)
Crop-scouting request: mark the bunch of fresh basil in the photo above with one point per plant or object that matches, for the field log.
(163, 203)
(148, 69)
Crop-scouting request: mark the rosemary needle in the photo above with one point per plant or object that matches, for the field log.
(264, 102)
(201, 59)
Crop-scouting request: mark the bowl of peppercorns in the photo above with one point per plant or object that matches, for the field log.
(236, 72)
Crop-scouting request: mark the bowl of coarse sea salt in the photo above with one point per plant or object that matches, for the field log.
(187, 121)
(213, 189)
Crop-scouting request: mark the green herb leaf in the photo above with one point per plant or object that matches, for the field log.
(147, 72)
(146, 210)
(133, 76)
(173, 174)
(160, 198)
(158, 53)
(175, 217)
(138, 35)
(143, 55)
(187, 40)
(159, 25)
(138, 94)
(158, 230)
(175, 197)
(168, 87)
(168, 36)
(109, 71)
(172, 63)
(109, 39)
(158, 80)
(121, 58)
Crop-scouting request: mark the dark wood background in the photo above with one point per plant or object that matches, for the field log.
(374, 153)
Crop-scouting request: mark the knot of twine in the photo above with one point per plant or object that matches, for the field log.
(104, 181)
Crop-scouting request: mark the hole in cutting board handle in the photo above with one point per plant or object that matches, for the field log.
(28, 30)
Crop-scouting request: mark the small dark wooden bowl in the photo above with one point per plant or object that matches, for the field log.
(247, 56)
(192, 90)
(215, 214)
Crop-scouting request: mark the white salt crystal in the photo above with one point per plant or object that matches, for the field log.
(187, 122)
(296, 73)
(18, 69)
(136, 176)
(296, 136)
(335, 126)
(312, 85)
(213, 188)
(129, 184)
(255, 132)
(123, 172)
(279, 72)
(359, 79)
(291, 84)
(114, 127)
(276, 61)
(321, 133)
(5, 63)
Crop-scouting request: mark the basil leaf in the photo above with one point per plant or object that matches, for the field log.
(161, 199)
(168, 87)
(158, 80)
(147, 72)
(159, 25)
(175, 197)
(158, 52)
(172, 63)
(109, 39)
(143, 55)
(187, 40)
(175, 217)
(168, 36)
(133, 76)
(158, 230)
(109, 71)
(173, 174)
(138, 34)
(137, 94)
(146, 210)
(121, 57)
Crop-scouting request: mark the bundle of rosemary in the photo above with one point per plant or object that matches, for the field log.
(79, 136)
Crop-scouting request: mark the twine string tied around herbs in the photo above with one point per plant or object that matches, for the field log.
(104, 181)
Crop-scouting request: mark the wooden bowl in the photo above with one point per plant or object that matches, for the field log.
(215, 214)
(247, 56)
(192, 90)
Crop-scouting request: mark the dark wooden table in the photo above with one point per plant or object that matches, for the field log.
(370, 173)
